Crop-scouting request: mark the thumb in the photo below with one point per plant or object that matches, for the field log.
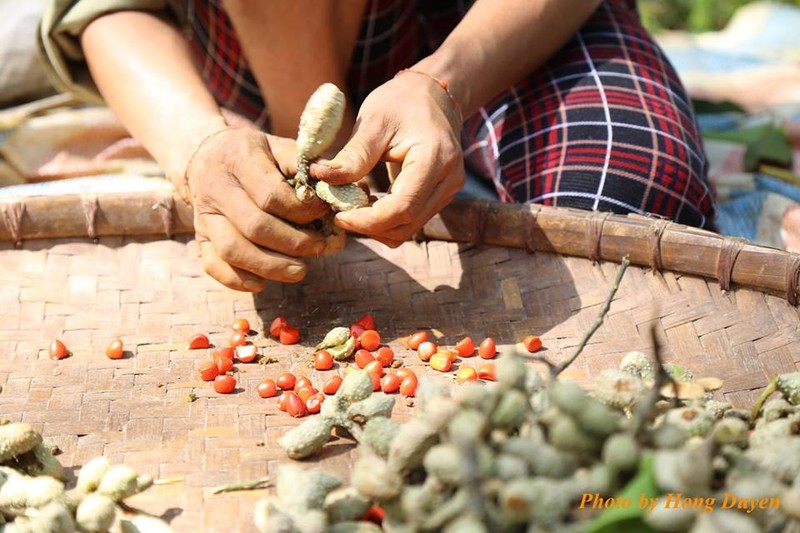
(358, 157)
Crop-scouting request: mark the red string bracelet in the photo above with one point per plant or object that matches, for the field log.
(441, 83)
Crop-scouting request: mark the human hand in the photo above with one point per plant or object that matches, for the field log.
(243, 210)
(421, 136)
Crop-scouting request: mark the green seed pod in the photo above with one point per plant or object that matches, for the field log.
(465, 523)
(446, 462)
(477, 395)
(544, 459)
(694, 421)
(48, 464)
(565, 435)
(725, 520)
(374, 478)
(765, 434)
(118, 483)
(789, 386)
(569, 397)
(52, 518)
(671, 519)
(467, 426)
(143, 482)
(785, 465)
(269, 518)
(731, 431)
(334, 337)
(378, 434)
(91, 474)
(20, 492)
(355, 527)
(601, 478)
(678, 372)
(538, 499)
(345, 504)
(597, 419)
(510, 370)
(305, 489)
(356, 386)
(377, 404)
(320, 121)
(510, 466)
(511, 410)
(412, 442)
(717, 409)
(533, 380)
(638, 364)
(448, 510)
(686, 470)
(15, 439)
(618, 389)
(439, 413)
(774, 409)
(310, 521)
(341, 352)
(790, 502)
(342, 197)
(95, 513)
(621, 452)
(667, 435)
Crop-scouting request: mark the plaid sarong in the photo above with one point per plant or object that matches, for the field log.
(604, 125)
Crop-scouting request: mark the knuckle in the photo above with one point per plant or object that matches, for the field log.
(227, 250)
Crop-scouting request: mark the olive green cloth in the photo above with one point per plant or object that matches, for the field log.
(59, 34)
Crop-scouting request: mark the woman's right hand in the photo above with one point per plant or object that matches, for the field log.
(244, 210)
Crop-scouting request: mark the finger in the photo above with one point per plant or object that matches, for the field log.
(267, 230)
(231, 277)
(238, 252)
(284, 152)
(362, 152)
(271, 193)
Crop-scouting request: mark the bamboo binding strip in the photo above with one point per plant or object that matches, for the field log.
(652, 242)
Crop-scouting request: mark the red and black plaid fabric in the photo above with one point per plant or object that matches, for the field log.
(604, 125)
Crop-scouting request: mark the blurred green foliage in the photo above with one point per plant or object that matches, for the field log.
(691, 15)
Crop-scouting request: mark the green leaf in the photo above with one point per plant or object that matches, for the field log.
(631, 519)
(765, 142)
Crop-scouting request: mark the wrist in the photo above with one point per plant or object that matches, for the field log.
(446, 67)
(193, 137)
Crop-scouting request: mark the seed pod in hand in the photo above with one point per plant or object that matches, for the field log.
(342, 197)
(320, 121)
(308, 438)
(95, 513)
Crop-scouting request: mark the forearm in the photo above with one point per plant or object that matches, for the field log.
(501, 41)
(143, 68)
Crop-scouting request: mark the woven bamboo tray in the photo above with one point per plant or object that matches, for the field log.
(476, 276)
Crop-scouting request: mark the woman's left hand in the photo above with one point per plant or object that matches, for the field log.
(411, 122)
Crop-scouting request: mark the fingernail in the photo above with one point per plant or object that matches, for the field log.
(295, 271)
(253, 285)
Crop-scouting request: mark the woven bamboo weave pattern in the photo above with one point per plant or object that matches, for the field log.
(154, 295)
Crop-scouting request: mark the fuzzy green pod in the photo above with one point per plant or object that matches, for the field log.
(343, 351)
(566, 435)
(465, 523)
(621, 452)
(374, 478)
(569, 397)
(694, 421)
(439, 413)
(447, 510)
(598, 419)
(790, 502)
(308, 438)
(377, 404)
(544, 459)
(342, 197)
(775, 408)
(467, 426)
(667, 435)
(334, 337)
(118, 483)
(510, 411)
(310, 521)
(145, 523)
(270, 518)
(345, 504)
(17, 438)
(48, 464)
(670, 519)
(789, 386)
(539, 499)
(20, 492)
(725, 520)
(510, 466)
(510, 370)
(477, 395)
(355, 527)
(52, 518)
(95, 513)
(686, 470)
(305, 489)
(91, 473)
(412, 442)
(446, 462)
(618, 389)
(717, 409)
(785, 465)
(638, 364)
(678, 372)
(378, 434)
(356, 386)
(731, 431)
